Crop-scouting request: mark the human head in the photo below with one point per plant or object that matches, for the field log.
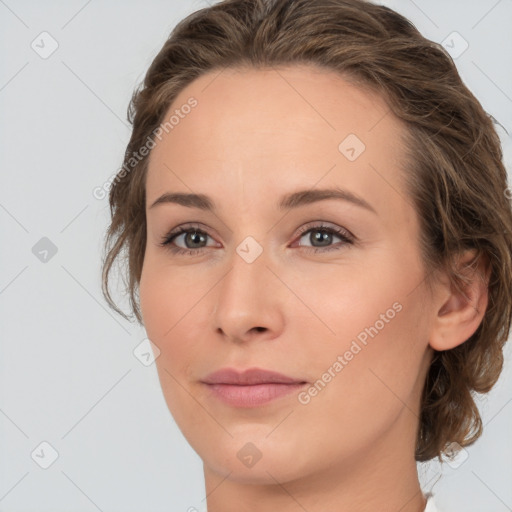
(455, 177)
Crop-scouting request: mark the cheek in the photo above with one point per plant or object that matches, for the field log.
(376, 298)
(166, 296)
(174, 317)
(380, 336)
(348, 300)
(174, 312)
(360, 389)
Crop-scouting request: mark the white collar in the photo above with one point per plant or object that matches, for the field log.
(431, 506)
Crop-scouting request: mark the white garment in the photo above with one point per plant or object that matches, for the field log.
(431, 506)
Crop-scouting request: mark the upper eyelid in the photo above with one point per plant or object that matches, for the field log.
(309, 225)
(316, 225)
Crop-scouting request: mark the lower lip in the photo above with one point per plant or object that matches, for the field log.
(252, 395)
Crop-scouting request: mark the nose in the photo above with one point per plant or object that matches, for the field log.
(249, 301)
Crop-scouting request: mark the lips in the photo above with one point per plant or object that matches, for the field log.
(250, 388)
(249, 377)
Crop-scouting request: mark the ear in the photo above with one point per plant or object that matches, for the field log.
(460, 312)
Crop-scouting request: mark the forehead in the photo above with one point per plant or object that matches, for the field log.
(291, 126)
(305, 100)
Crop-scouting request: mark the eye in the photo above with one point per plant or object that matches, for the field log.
(193, 239)
(321, 237)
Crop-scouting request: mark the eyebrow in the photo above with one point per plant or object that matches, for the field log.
(288, 202)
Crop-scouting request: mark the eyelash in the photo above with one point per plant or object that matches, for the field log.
(345, 236)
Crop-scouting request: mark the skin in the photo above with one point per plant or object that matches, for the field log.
(255, 136)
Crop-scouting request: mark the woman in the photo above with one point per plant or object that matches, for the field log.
(314, 213)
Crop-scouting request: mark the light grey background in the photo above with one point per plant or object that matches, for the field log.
(68, 373)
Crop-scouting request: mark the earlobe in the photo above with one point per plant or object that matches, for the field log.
(460, 311)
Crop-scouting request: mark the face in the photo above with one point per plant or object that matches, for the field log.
(322, 287)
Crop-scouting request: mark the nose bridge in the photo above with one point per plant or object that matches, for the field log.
(248, 269)
(246, 298)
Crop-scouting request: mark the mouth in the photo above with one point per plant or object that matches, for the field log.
(250, 388)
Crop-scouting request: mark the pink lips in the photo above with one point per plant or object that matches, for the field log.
(250, 388)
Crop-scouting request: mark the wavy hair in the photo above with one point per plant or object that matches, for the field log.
(456, 177)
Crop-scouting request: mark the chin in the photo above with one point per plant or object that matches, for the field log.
(254, 459)
(264, 472)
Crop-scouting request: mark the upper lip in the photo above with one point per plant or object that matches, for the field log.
(247, 377)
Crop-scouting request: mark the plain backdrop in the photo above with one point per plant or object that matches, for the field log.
(69, 375)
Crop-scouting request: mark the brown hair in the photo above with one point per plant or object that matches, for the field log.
(456, 177)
